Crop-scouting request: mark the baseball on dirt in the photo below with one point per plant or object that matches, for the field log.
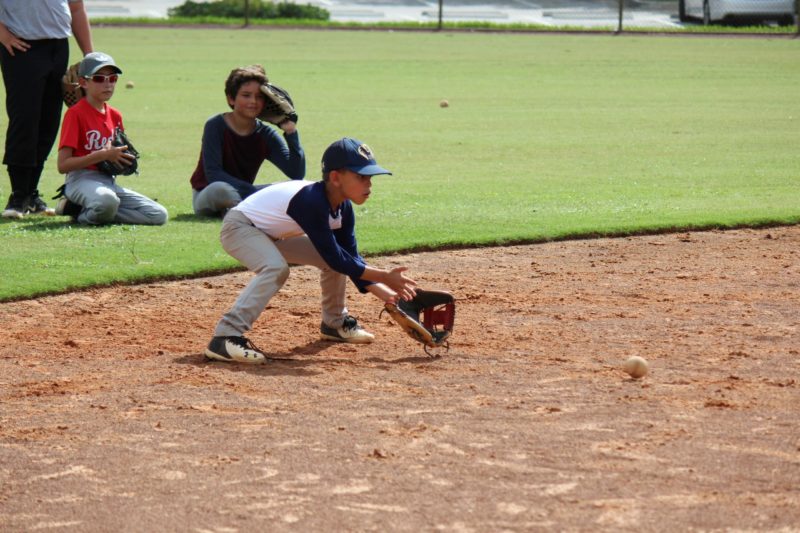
(636, 367)
(444, 103)
(129, 85)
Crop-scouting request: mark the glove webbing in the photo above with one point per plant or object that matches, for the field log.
(443, 316)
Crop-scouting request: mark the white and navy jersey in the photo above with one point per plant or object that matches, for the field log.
(293, 208)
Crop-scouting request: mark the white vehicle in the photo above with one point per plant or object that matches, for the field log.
(710, 11)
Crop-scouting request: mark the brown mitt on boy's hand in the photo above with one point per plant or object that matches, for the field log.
(278, 107)
(428, 318)
(71, 92)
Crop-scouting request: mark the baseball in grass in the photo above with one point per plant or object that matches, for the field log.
(444, 103)
(636, 367)
(129, 85)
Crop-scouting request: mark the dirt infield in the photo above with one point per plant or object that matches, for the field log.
(111, 420)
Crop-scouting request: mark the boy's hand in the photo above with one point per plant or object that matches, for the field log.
(118, 155)
(404, 286)
(288, 126)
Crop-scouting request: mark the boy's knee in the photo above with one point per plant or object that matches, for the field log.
(283, 273)
(159, 216)
(103, 207)
(280, 272)
(225, 196)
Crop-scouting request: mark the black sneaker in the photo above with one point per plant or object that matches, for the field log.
(349, 331)
(238, 349)
(15, 208)
(35, 205)
(68, 209)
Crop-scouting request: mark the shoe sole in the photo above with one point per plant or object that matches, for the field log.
(354, 340)
(67, 209)
(13, 214)
(217, 357)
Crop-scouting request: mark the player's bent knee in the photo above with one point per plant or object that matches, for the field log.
(283, 274)
(104, 208)
(159, 216)
(279, 273)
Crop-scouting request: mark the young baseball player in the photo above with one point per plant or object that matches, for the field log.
(306, 223)
(91, 196)
(236, 143)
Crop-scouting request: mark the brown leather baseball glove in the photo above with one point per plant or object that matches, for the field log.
(71, 92)
(278, 107)
(428, 318)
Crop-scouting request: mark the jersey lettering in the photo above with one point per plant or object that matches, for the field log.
(95, 141)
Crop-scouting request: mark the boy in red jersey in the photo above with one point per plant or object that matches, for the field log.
(91, 196)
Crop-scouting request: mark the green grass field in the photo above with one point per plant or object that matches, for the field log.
(546, 136)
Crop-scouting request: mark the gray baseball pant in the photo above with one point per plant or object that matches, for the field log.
(215, 199)
(270, 260)
(105, 202)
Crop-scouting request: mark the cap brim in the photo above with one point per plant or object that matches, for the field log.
(116, 68)
(369, 170)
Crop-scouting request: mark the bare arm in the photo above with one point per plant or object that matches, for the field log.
(80, 27)
(116, 154)
(382, 292)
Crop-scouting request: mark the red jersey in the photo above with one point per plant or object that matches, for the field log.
(87, 130)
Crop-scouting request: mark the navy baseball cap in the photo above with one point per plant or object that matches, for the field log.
(94, 61)
(353, 155)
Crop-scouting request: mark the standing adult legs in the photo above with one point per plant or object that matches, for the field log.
(33, 106)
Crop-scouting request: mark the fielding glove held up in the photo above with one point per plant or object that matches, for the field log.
(428, 318)
(278, 105)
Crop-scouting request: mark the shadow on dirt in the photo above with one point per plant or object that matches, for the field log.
(294, 362)
(415, 360)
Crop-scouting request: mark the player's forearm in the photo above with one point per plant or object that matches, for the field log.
(375, 275)
(394, 279)
(382, 292)
(289, 157)
(71, 163)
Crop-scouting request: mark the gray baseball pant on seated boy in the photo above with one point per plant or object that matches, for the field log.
(105, 202)
(215, 198)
